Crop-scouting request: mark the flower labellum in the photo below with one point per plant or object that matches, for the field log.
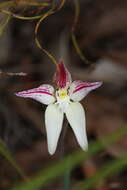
(63, 101)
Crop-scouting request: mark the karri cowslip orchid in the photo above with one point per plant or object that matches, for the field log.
(64, 100)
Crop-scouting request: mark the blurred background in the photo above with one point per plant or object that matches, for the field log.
(101, 33)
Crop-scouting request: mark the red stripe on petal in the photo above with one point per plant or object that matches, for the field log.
(82, 86)
(32, 92)
(62, 76)
(42, 94)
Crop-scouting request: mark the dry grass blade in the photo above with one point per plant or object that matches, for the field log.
(13, 74)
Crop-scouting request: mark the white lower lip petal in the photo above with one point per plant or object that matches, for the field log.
(53, 122)
(76, 118)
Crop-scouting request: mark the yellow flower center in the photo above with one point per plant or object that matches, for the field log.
(62, 93)
(63, 99)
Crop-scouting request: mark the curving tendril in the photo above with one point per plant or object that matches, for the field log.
(21, 2)
(74, 40)
(19, 16)
(41, 18)
(53, 10)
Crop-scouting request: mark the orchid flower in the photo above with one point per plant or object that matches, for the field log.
(64, 100)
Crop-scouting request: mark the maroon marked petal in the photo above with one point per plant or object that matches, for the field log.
(62, 76)
(78, 89)
(86, 85)
(43, 94)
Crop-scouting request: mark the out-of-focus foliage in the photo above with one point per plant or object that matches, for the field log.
(8, 156)
(69, 162)
(111, 168)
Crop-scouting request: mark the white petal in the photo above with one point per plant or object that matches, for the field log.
(78, 89)
(76, 118)
(53, 122)
(43, 94)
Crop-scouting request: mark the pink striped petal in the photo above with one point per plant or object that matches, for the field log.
(62, 76)
(78, 89)
(43, 94)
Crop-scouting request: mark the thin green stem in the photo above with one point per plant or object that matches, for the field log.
(62, 148)
(67, 180)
